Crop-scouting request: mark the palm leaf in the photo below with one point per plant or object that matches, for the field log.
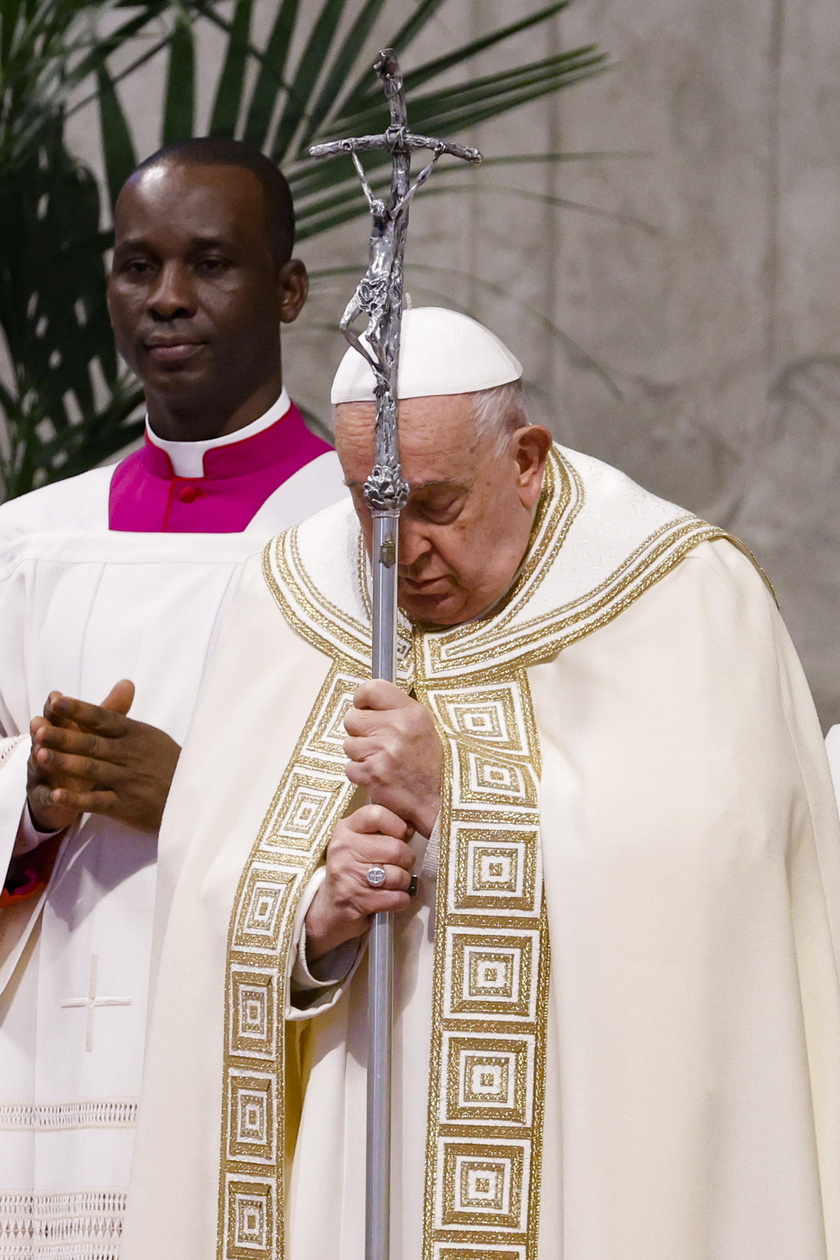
(271, 74)
(52, 295)
(348, 55)
(306, 76)
(418, 21)
(433, 69)
(179, 101)
(228, 100)
(104, 46)
(490, 93)
(117, 146)
(53, 60)
(114, 428)
(446, 112)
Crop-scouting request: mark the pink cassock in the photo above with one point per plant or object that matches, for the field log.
(147, 496)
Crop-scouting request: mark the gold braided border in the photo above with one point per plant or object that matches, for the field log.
(313, 794)
(491, 972)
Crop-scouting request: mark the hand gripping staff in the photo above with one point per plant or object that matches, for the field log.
(379, 297)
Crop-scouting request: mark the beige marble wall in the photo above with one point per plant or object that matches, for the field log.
(674, 299)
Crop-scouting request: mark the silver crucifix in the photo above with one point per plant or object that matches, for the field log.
(379, 298)
(379, 294)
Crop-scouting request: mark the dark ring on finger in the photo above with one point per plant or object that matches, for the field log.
(412, 887)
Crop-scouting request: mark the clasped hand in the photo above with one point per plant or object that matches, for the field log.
(89, 758)
(395, 753)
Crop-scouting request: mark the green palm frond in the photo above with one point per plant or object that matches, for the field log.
(66, 378)
(67, 393)
(229, 89)
(69, 404)
(179, 101)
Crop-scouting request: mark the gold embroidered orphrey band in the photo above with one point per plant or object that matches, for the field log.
(490, 981)
(490, 978)
(491, 963)
(312, 796)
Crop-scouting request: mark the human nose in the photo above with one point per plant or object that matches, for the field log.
(172, 293)
(414, 544)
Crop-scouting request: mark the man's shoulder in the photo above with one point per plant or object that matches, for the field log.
(318, 484)
(314, 574)
(325, 546)
(607, 487)
(615, 504)
(600, 543)
(77, 503)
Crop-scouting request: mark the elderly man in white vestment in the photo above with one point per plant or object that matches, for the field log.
(123, 574)
(617, 1014)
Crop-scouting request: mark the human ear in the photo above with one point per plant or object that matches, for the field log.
(292, 287)
(531, 445)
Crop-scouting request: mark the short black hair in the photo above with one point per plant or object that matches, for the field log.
(217, 151)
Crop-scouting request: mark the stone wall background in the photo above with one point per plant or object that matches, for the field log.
(674, 298)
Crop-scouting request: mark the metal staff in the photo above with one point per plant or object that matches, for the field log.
(379, 297)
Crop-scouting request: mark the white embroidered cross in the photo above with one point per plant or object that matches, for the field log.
(92, 1001)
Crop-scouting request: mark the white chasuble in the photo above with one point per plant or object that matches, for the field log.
(80, 608)
(617, 1014)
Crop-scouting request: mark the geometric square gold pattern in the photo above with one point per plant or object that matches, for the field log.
(497, 870)
(261, 907)
(307, 800)
(483, 1184)
(492, 973)
(491, 714)
(251, 1109)
(485, 721)
(250, 1211)
(329, 734)
(471, 1251)
(253, 1004)
(488, 1078)
(488, 779)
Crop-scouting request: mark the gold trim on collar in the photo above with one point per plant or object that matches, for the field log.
(510, 637)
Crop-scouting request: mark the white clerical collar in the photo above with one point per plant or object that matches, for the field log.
(187, 458)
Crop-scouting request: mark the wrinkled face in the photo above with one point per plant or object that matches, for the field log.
(468, 520)
(196, 294)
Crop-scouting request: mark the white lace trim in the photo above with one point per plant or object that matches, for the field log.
(112, 1113)
(83, 1226)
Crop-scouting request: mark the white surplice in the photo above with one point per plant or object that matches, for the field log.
(80, 608)
(690, 1084)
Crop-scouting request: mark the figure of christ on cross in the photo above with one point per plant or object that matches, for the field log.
(378, 294)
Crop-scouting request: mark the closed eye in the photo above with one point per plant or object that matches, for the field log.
(441, 509)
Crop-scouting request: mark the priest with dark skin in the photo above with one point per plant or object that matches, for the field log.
(200, 283)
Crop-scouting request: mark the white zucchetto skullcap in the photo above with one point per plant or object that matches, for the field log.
(441, 352)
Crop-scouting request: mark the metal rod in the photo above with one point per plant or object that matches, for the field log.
(378, 1179)
(381, 942)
